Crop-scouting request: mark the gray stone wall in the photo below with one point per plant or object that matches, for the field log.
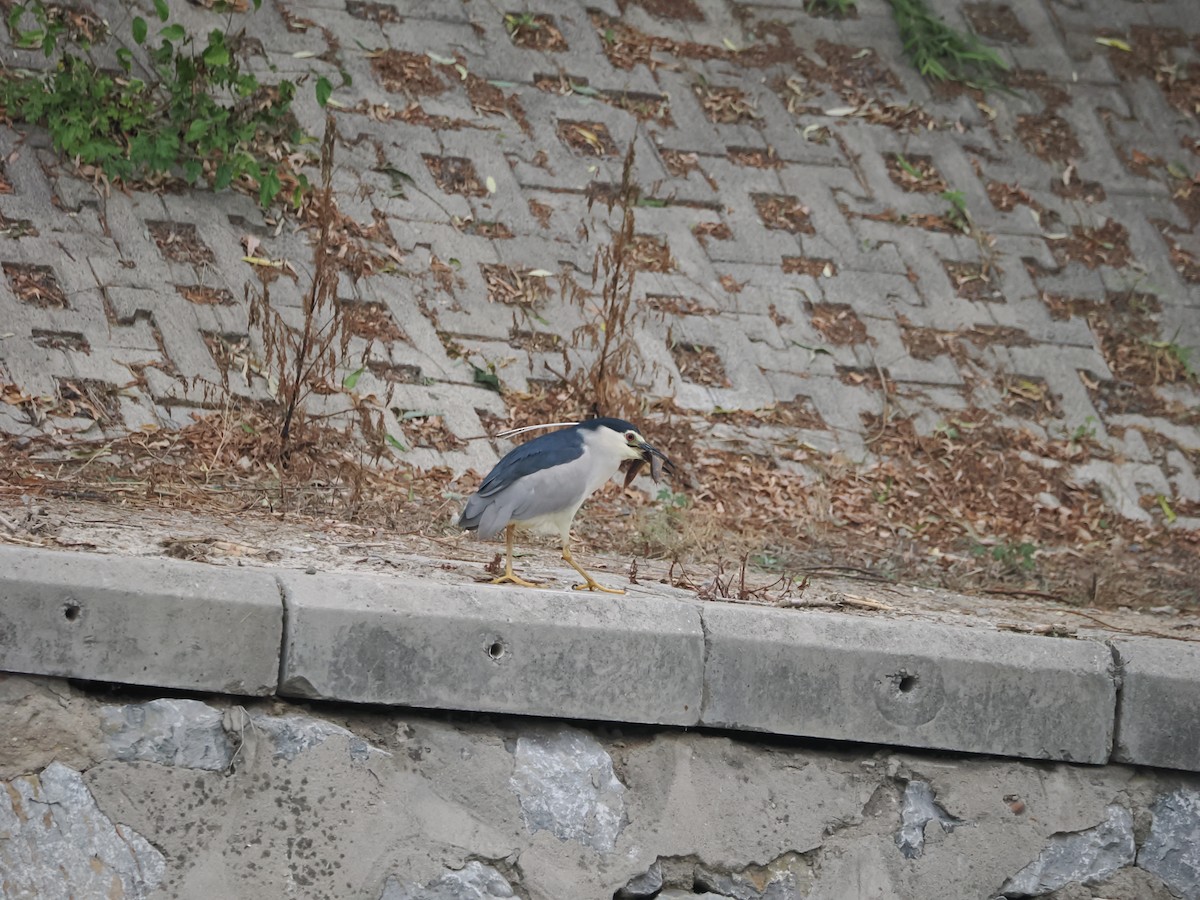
(111, 794)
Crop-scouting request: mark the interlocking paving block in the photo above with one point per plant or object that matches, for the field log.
(492, 649)
(916, 684)
(139, 621)
(1158, 721)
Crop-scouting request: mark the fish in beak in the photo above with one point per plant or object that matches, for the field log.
(658, 464)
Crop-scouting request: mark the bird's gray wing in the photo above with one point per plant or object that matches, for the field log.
(544, 452)
(539, 493)
(522, 483)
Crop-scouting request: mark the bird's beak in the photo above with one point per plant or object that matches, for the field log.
(658, 463)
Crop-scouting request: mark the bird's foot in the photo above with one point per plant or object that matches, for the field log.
(592, 585)
(513, 578)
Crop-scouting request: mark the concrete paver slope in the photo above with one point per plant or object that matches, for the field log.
(825, 234)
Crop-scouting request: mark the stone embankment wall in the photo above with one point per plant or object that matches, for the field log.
(114, 795)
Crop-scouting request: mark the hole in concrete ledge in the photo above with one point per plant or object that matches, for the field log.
(72, 611)
(905, 683)
(496, 650)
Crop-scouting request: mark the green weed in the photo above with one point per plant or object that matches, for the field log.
(957, 214)
(908, 167)
(1084, 432)
(943, 54)
(515, 22)
(836, 7)
(1177, 357)
(1011, 556)
(192, 112)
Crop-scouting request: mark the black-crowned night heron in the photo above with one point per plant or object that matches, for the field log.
(541, 484)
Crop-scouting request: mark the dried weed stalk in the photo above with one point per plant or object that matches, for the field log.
(609, 334)
(305, 360)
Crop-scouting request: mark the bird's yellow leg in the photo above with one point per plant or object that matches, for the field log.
(588, 581)
(510, 577)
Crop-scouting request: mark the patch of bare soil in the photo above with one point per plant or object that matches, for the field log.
(997, 22)
(61, 340)
(838, 324)
(407, 73)
(725, 105)
(35, 285)
(428, 430)
(667, 10)
(587, 138)
(783, 213)
(1152, 54)
(717, 231)
(850, 67)
(1107, 245)
(1184, 262)
(975, 281)
(1007, 197)
(514, 287)
(370, 321)
(915, 173)
(626, 46)
(455, 175)
(928, 221)
(534, 31)
(813, 267)
(495, 231)
(699, 364)
(1072, 187)
(379, 13)
(543, 212)
(754, 157)
(1138, 356)
(180, 242)
(927, 343)
(678, 306)
(204, 295)
(1048, 137)
(648, 253)
(86, 398)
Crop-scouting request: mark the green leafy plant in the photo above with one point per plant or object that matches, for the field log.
(672, 500)
(515, 22)
(836, 7)
(909, 168)
(943, 54)
(946, 430)
(1011, 556)
(1165, 505)
(957, 213)
(1084, 432)
(190, 112)
(1177, 356)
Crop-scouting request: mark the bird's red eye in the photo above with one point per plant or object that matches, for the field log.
(631, 437)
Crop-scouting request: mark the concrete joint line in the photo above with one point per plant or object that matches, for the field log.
(283, 631)
(705, 699)
(1117, 672)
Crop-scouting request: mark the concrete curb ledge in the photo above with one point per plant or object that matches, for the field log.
(1160, 704)
(917, 684)
(492, 649)
(380, 640)
(139, 621)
